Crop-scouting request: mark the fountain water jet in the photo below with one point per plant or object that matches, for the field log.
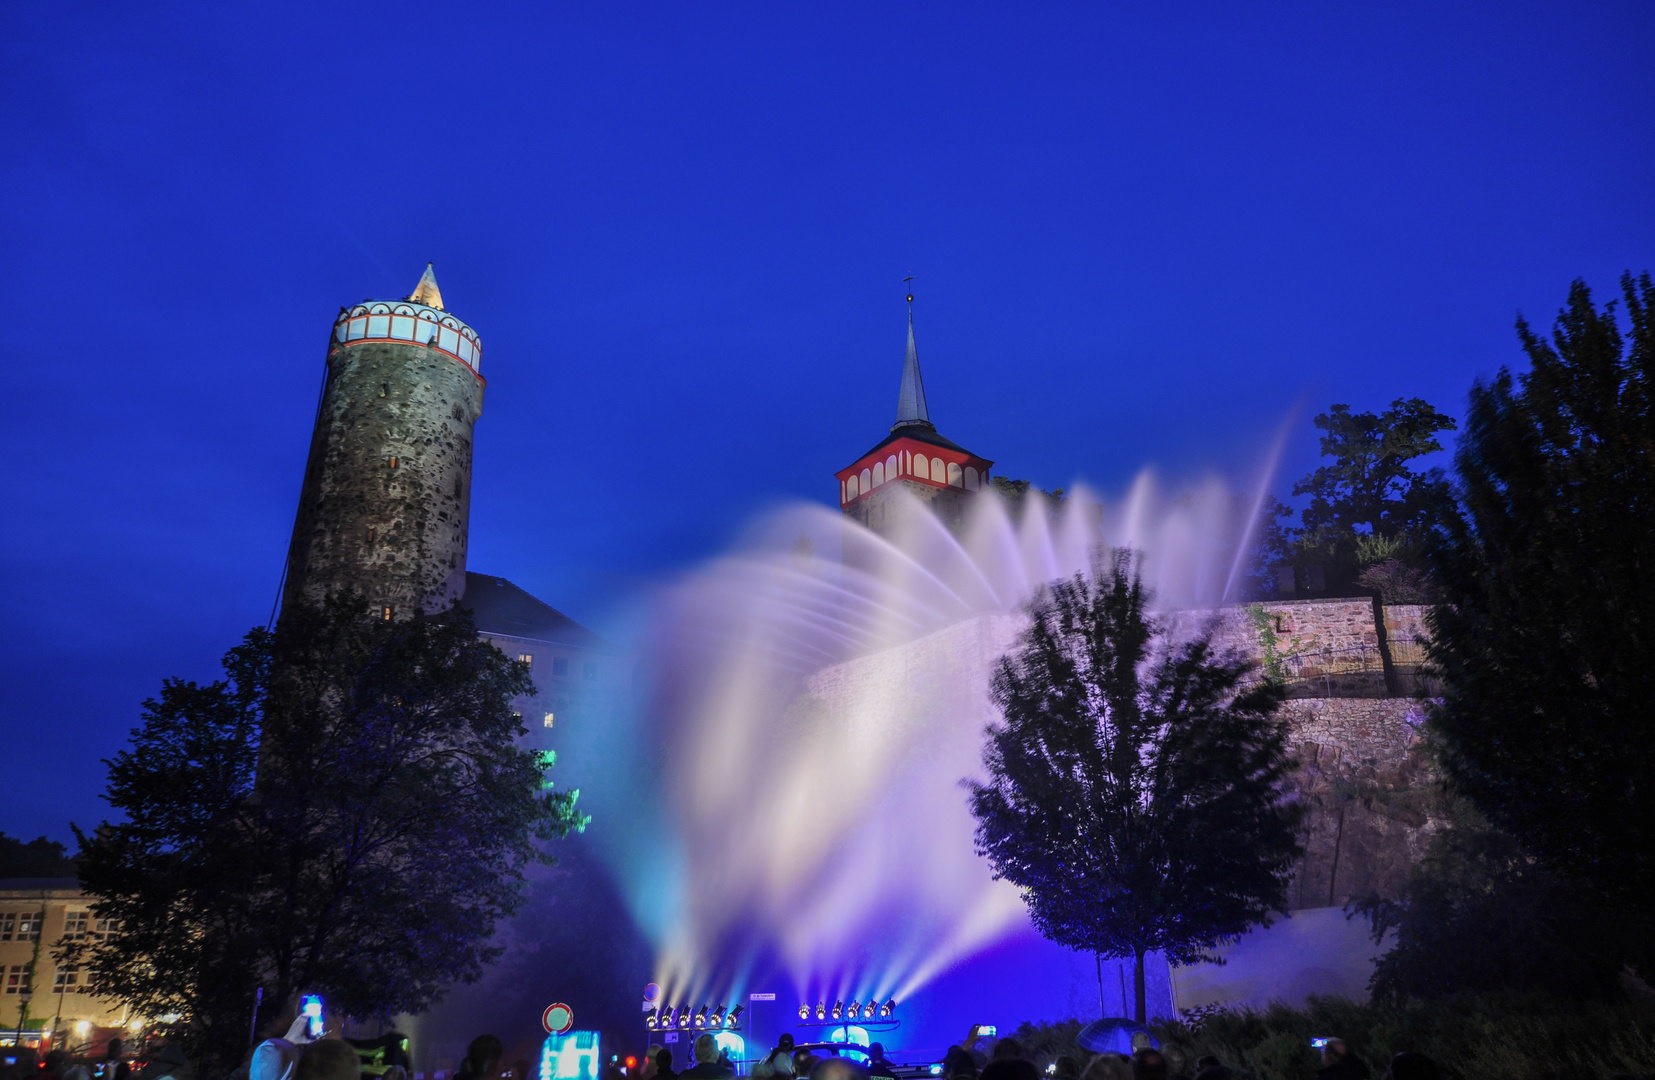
(818, 697)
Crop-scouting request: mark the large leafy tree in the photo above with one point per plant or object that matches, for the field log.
(1370, 505)
(1133, 786)
(347, 813)
(1546, 638)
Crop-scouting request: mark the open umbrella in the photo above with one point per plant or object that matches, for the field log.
(1112, 1035)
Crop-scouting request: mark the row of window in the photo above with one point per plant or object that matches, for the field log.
(918, 466)
(560, 666)
(70, 979)
(404, 322)
(77, 926)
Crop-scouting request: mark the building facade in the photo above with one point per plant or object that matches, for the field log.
(59, 1005)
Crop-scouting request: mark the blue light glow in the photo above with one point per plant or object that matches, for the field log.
(732, 1044)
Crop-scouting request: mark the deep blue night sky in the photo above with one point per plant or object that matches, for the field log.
(1141, 237)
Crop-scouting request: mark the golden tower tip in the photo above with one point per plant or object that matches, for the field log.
(426, 291)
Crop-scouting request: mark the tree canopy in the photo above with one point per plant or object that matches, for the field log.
(1371, 511)
(39, 858)
(1133, 784)
(1545, 639)
(346, 813)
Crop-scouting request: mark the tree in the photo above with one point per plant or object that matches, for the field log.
(1479, 915)
(1370, 505)
(39, 857)
(1544, 640)
(1021, 494)
(1133, 789)
(346, 813)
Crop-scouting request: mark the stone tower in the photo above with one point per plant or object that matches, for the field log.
(387, 490)
(912, 458)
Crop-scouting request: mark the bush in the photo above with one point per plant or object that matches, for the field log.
(1510, 1037)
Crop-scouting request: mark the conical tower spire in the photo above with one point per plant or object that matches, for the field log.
(426, 291)
(910, 401)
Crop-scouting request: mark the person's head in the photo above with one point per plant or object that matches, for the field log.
(785, 1043)
(706, 1048)
(273, 1059)
(1010, 1069)
(1207, 1061)
(328, 1059)
(55, 1060)
(482, 1057)
(1007, 1050)
(1108, 1067)
(395, 1072)
(957, 1063)
(876, 1051)
(803, 1062)
(838, 1068)
(1411, 1066)
(663, 1060)
(1149, 1065)
(1066, 1068)
(115, 1048)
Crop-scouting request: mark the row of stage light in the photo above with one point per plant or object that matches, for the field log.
(855, 1011)
(666, 1018)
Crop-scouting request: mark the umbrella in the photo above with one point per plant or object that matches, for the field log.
(1112, 1034)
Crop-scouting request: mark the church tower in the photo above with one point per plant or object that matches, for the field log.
(912, 458)
(387, 490)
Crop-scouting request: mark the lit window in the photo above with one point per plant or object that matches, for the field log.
(525, 658)
(387, 614)
(20, 925)
(548, 719)
(560, 665)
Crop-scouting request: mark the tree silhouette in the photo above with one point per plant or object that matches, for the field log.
(1134, 787)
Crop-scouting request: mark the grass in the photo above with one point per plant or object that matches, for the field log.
(1474, 1037)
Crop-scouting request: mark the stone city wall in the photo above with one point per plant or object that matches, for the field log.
(1362, 773)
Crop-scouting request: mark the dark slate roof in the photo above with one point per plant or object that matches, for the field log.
(39, 884)
(504, 609)
(921, 432)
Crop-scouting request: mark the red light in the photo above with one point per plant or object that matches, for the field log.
(631, 1062)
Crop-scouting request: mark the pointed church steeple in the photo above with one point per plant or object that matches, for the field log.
(910, 400)
(426, 291)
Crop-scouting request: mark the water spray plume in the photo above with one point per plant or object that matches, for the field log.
(818, 698)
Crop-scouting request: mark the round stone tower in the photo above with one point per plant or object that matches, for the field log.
(387, 491)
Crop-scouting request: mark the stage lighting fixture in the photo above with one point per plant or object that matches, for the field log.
(717, 1018)
(734, 1019)
(804, 1011)
(684, 1017)
(838, 1009)
(870, 1010)
(887, 1009)
(701, 1017)
(649, 1020)
(821, 1010)
(854, 1011)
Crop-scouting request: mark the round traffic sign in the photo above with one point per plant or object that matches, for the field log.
(557, 1019)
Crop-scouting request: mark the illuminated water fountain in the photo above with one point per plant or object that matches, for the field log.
(818, 699)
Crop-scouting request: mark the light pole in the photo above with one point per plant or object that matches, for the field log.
(24, 993)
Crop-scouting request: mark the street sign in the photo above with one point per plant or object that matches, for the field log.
(557, 1019)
